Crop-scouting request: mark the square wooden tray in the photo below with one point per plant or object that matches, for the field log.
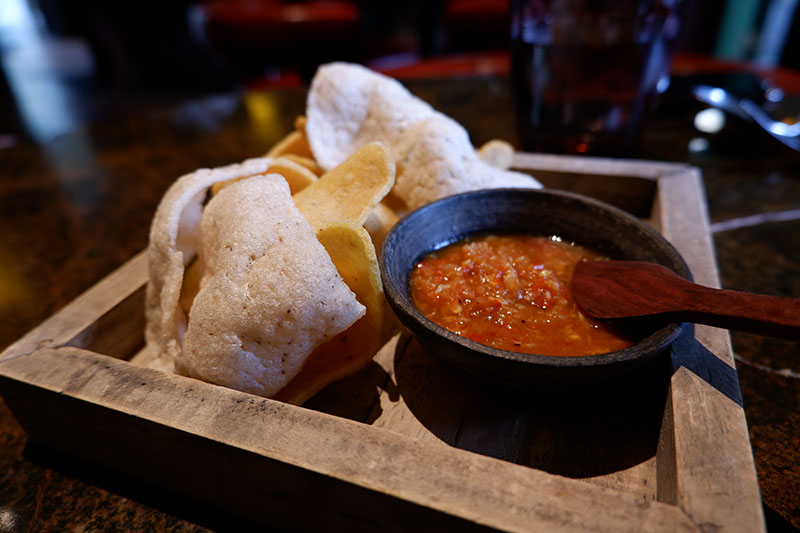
(409, 443)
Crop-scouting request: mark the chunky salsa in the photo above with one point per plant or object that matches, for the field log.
(511, 292)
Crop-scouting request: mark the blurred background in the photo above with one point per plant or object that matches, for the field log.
(53, 50)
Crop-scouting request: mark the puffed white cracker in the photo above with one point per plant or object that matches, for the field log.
(498, 153)
(172, 245)
(435, 157)
(271, 293)
(349, 105)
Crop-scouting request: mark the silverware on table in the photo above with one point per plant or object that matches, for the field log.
(747, 109)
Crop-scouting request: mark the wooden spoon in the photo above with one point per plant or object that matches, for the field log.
(621, 289)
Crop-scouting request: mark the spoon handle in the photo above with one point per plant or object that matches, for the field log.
(758, 313)
(619, 289)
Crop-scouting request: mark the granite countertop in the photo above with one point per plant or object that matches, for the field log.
(77, 207)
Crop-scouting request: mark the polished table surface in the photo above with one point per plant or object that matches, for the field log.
(74, 208)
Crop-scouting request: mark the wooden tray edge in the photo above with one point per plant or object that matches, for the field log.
(699, 489)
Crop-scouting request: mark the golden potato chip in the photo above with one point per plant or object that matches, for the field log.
(191, 284)
(351, 250)
(294, 143)
(297, 176)
(379, 222)
(350, 191)
(307, 162)
(497, 153)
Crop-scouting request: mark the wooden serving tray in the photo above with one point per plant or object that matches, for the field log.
(410, 442)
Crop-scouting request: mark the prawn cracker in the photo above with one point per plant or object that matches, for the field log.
(349, 105)
(270, 293)
(173, 243)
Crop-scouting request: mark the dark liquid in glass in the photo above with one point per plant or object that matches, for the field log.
(587, 86)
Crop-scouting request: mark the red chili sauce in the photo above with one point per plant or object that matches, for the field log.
(511, 292)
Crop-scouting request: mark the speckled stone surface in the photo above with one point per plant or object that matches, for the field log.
(76, 208)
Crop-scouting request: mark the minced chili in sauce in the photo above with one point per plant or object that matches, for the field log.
(511, 292)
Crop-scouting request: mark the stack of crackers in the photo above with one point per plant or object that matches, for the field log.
(264, 274)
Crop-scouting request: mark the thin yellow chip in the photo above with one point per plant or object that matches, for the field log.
(353, 254)
(191, 284)
(307, 162)
(379, 222)
(350, 191)
(297, 176)
(294, 143)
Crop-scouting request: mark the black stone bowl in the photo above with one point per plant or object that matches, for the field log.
(572, 217)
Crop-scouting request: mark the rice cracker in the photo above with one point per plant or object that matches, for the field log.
(349, 106)
(270, 295)
(173, 243)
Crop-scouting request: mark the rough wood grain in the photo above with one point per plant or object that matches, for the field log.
(683, 220)
(391, 447)
(639, 479)
(714, 484)
(704, 408)
(166, 427)
(590, 166)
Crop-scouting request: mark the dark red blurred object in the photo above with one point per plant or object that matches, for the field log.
(472, 25)
(258, 34)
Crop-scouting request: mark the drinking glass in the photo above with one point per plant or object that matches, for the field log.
(586, 73)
